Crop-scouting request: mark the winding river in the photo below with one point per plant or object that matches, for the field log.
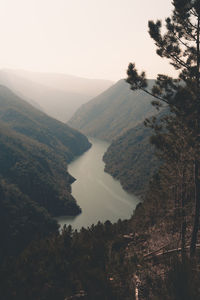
(99, 195)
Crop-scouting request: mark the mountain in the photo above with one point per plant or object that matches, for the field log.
(34, 152)
(114, 111)
(64, 82)
(130, 158)
(58, 95)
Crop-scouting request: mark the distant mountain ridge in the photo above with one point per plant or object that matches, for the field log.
(34, 152)
(110, 114)
(65, 82)
(58, 95)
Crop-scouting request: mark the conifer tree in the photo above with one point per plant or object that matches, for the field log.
(180, 44)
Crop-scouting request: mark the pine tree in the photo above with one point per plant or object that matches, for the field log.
(180, 44)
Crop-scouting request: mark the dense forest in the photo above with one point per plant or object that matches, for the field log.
(155, 254)
(131, 159)
(35, 150)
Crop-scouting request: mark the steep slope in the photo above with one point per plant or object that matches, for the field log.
(34, 153)
(113, 112)
(58, 95)
(131, 158)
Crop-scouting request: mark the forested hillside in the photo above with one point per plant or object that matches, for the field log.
(35, 150)
(131, 159)
(113, 112)
(116, 115)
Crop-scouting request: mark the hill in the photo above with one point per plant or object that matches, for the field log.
(113, 112)
(130, 159)
(58, 95)
(34, 152)
(21, 220)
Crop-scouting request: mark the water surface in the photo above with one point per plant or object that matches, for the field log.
(100, 196)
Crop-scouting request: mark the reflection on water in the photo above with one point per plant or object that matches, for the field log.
(100, 196)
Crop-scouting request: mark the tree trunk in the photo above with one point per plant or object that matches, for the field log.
(197, 210)
(196, 163)
(183, 223)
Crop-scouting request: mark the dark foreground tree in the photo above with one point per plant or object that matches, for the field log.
(181, 45)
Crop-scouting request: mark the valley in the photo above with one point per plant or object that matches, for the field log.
(117, 115)
(100, 197)
(114, 111)
(100, 227)
(100, 150)
(58, 95)
(30, 125)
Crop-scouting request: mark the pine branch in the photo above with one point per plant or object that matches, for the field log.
(157, 97)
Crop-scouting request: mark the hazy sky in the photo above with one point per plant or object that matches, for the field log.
(88, 38)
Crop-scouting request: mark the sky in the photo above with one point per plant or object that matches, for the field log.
(86, 38)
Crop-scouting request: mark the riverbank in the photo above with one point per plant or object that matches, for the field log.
(100, 196)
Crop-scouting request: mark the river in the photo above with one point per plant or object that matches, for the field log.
(100, 196)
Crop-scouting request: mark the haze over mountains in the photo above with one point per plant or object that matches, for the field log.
(113, 112)
(107, 116)
(58, 95)
(35, 185)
